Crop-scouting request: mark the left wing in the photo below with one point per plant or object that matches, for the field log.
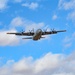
(23, 33)
(52, 32)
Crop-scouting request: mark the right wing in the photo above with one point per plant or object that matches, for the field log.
(23, 34)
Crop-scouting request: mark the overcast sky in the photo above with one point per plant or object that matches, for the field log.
(53, 55)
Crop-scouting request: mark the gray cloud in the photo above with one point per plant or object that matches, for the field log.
(8, 39)
(49, 64)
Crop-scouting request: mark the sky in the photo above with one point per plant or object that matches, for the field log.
(53, 55)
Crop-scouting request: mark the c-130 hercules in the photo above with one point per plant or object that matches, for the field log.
(36, 35)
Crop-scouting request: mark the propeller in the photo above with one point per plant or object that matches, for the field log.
(45, 30)
(22, 31)
(31, 30)
(53, 29)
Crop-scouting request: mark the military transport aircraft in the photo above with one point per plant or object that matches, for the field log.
(38, 34)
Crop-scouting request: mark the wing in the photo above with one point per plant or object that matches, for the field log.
(52, 32)
(23, 34)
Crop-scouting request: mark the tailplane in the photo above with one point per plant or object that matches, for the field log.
(27, 38)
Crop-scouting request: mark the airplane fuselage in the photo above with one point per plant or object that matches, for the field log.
(37, 34)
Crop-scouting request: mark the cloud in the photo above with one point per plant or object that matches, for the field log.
(49, 64)
(68, 5)
(35, 26)
(3, 4)
(32, 5)
(17, 21)
(64, 74)
(54, 17)
(68, 41)
(71, 16)
(8, 39)
(26, 24)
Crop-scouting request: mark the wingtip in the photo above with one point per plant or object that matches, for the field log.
(65, 30)
(62, 31)
(7, 33)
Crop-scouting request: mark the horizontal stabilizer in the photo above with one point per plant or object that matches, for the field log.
(27, 38)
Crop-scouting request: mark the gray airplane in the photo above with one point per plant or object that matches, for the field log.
(36, 35)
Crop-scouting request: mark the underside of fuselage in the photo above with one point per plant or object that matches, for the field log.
(37, 35)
